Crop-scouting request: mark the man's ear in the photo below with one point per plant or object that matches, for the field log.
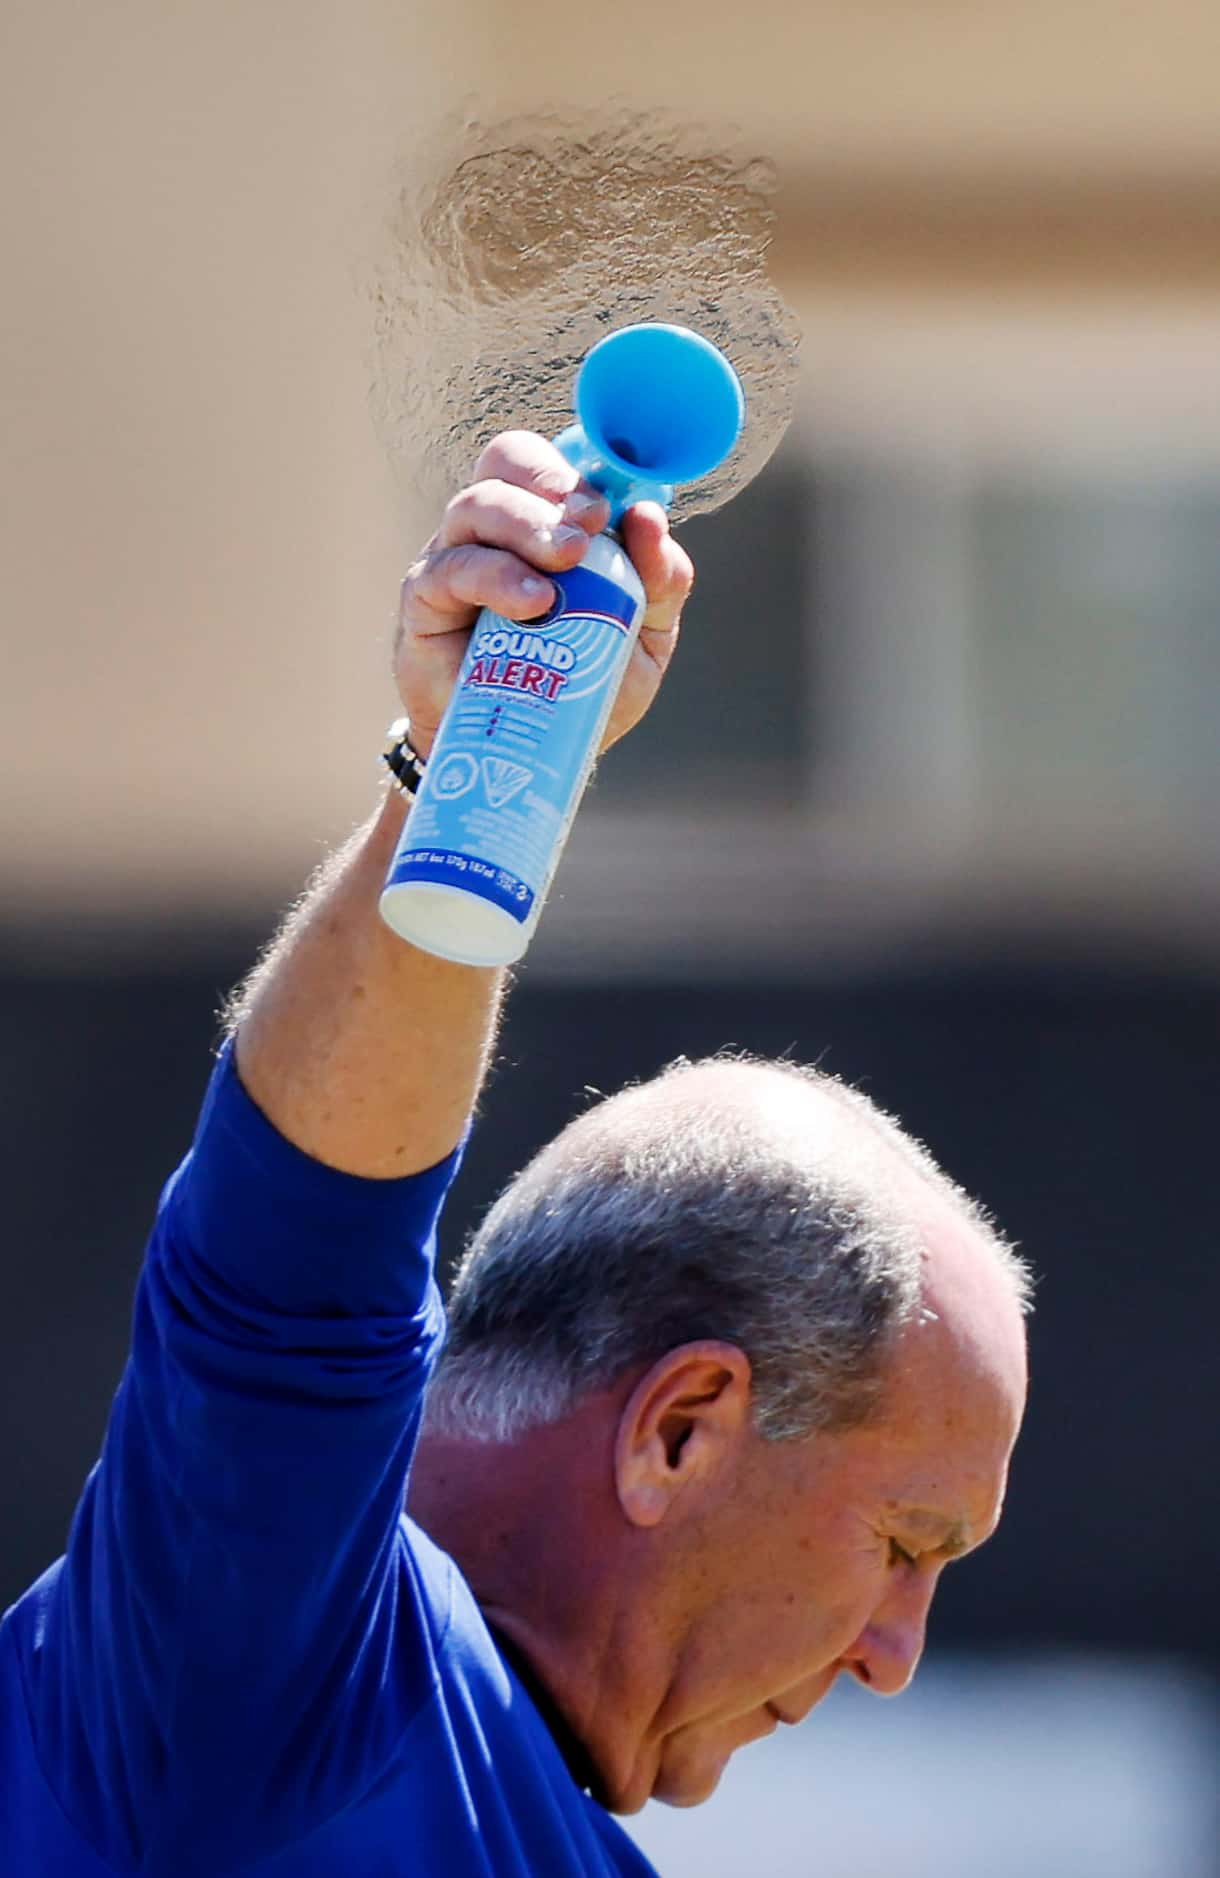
(680, 1426)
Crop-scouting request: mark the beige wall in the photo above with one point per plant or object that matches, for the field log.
(1037, 87)
(200, 536)
(200, 539)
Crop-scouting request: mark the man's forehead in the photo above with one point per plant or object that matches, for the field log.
(944, 1472)
(944, 1443)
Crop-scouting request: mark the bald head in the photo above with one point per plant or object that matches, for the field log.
(731, 1199)
(772, 1109)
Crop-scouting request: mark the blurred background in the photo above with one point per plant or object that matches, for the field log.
(931, 800)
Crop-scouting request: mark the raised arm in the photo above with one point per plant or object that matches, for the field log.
(238, 1638)
(360, 1049)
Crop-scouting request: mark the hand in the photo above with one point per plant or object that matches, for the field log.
(527, 514)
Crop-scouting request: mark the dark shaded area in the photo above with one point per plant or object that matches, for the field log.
(1080, 1104)
(754, 566)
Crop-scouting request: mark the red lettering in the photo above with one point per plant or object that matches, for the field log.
(518, 675)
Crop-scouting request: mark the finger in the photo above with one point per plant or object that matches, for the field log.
(496, 514)
(663, 567)
(529, 461)
(667, 576)
(436, 662)
(588, 509)
(449, 586)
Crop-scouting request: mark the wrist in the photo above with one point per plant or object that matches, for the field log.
(402, 758)
(390, 820)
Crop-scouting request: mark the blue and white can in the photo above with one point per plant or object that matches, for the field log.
(510, 764)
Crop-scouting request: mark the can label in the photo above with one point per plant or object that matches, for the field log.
(503, 780)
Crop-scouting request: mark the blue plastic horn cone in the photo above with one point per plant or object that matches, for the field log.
(655, 405)
(660, 400)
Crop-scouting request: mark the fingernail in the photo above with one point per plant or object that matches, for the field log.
(534, 585)
(578, 503)
(562, 536)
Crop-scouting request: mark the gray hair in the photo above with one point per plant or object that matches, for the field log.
(617, 1244)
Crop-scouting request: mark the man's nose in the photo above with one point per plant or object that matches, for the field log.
(886, 1654)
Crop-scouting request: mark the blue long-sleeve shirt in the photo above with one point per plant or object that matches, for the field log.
(249, 1659)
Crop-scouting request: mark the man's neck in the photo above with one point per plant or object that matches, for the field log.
(576, 1756)
(534, 1527)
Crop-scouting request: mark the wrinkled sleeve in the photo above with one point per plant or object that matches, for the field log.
(226, 1654)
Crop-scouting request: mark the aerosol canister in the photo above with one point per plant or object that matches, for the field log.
(656, 405)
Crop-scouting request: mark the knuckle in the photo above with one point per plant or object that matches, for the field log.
(493, 454)
(411, 582)
(494, 512)
(529, 461)
(462, 565)
(437, 579)
(484, 576)
(465, 498)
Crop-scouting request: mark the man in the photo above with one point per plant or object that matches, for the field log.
(734, 1371)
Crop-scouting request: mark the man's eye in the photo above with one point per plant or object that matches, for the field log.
(900, 1556)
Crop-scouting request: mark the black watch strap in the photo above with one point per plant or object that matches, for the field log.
(401, 758)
